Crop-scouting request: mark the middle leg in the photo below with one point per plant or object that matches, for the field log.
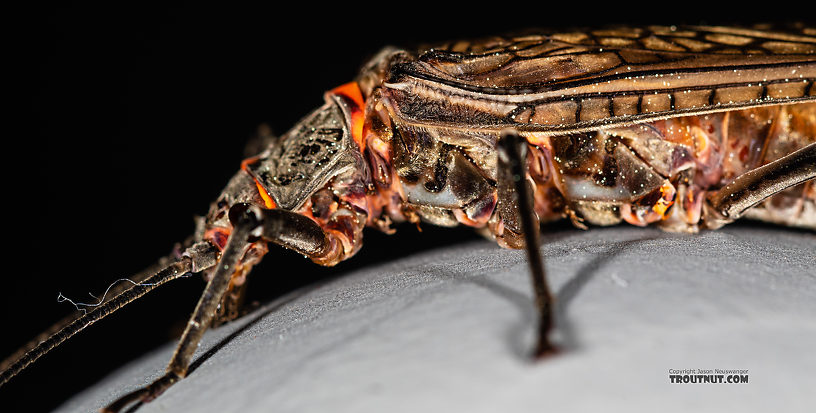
(516, 208)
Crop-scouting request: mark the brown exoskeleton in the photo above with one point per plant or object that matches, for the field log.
(686, 128)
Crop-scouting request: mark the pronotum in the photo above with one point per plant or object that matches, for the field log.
(633, 125)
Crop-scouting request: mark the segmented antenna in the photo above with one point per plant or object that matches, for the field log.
(169, 273)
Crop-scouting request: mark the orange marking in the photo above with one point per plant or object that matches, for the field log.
(666, 200)
(248, 161)
(268, 201)
(351, 91)
(661, 208)
(701, 141)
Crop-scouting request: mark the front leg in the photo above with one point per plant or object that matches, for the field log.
(245, 221)
(249, 223)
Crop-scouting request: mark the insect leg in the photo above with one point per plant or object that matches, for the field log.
(232, 304)
(245, 221)
(514, 190)
(196, 258)
(287, 229)
(296, 232)
(752, 187)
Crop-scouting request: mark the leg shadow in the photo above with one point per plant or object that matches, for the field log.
(569, 340)
(278, 304)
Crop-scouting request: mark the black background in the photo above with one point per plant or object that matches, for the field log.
(139, 116)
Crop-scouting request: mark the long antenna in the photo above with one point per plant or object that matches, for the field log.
(189, 262)
(59, 325)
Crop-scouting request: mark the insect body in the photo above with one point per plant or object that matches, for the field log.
(686, 128)
(421, 144)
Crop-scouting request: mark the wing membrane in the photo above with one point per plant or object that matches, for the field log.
(588, 79)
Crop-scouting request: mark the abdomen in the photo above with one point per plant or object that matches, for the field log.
(660, 172)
